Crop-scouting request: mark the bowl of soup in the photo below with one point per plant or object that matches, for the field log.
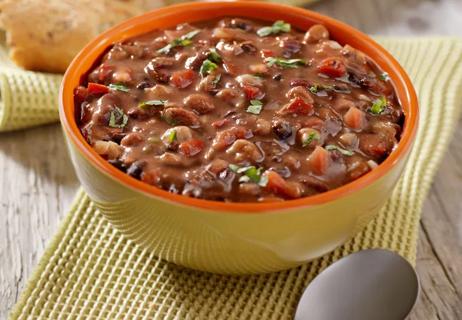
(237, 137)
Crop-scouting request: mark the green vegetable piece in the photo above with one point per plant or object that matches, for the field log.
(379, 105)
(332, 147)
(255, 107)
(233, 167)
(216, 80)
(384, 77)
(284, 63)
(314, 89)
(171, 136)
(183, 41)
(250, 174)
(214, 56)
(146, 105)
(117, 118)
(311, 137)
(207, 67)
(263, 181)
(277, 27)
(118, 87)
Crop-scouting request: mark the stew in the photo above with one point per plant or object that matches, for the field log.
(239, 110)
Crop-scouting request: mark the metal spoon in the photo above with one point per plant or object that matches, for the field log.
(373, 284)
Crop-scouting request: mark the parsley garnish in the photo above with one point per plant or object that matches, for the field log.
(379, 105)
(250, 173)
(171, 136)
(384, 76)
(284, 63)
(216, 80)
(207, 67)
(332, 147)
(146, 105)
(255, 107)
(277, 27)
(118, 87)
(314, 89)
(117, 118)
(214, 56)
(183, 41)
(310, 138)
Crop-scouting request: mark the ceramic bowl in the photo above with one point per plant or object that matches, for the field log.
(224, 237)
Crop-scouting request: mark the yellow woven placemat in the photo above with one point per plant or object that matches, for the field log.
(91, 272)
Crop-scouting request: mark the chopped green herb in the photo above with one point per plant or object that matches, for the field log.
(314, 89)
(216, 80)
(233, 167)
(277, 27)
(214, 56)
(255, 107)
(384, 76)
(117, 118)
(379, 105)
(263, 181)
(183, 41)
(171, 136)
(345, 152)
(146, 105)
(310, 138)
(207, 67)
(250, 173)
(284, 63)
(118, 87)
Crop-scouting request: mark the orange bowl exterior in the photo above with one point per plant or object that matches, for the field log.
(234, 237)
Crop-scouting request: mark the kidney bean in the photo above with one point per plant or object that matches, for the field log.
(199, 103)
(136, 169)
(281, 128)
(243, 150)
(178, 116)
(300, 92)
(316, 33)
(110, 150)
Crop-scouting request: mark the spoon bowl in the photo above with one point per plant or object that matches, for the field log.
(370, 284)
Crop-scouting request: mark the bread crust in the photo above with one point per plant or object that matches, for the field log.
(46, 35)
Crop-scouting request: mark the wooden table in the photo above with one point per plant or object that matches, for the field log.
(37, 182)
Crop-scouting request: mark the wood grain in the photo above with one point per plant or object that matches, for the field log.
(37, 182)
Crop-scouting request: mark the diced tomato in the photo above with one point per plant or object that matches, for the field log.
(182, 79)
(297, 106)
(252, 92)
(332, 67)
(191, 147)
(267, 53)
(96, 88)
(319, 160)
(220, 123)
(279, 186)
(355, 118)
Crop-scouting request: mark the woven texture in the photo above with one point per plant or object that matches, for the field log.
(91, 272)
(27, 98)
